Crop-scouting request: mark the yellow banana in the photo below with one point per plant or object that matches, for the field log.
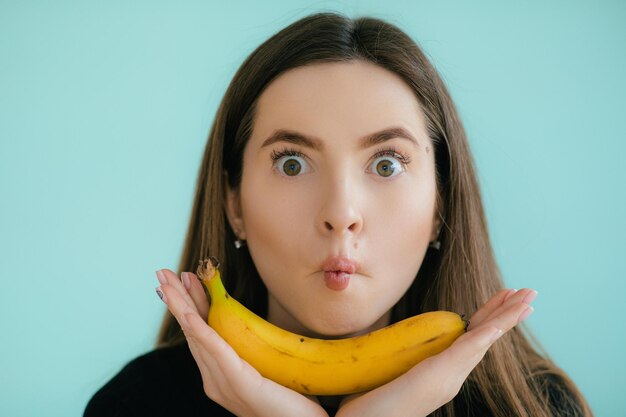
(326, 367)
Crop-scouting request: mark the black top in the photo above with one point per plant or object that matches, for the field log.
(162, 382)
(167, 382)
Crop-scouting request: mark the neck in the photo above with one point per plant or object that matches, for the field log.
(278, 315)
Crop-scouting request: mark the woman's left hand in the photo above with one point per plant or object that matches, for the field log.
(437, 380)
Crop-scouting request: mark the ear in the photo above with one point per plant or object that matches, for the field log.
(436, 227)
(232, 207)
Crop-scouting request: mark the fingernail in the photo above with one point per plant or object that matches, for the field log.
(186, 282)
(161, 295)
(510, 294)
(525, 314)
(495, 335)
(530, 297)
(161, 277)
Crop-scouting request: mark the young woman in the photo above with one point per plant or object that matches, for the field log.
(338, 148)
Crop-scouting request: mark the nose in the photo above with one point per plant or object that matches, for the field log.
(340, 212)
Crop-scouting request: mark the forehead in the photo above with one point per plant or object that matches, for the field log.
(338, 100)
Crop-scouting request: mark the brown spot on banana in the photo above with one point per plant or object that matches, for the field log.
(332, 353)
(433, 339)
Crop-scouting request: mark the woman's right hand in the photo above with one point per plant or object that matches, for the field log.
(228, 379)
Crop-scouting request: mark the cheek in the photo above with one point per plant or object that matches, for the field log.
(274, 229)
(275, 218)
(278, 237)
(399, 232)
(403, 217)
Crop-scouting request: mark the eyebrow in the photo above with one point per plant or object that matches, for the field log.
(291, 136)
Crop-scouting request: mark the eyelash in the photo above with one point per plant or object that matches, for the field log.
(391, 151)
(276, 155)
(388, 151)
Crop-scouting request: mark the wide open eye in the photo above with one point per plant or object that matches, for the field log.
(289, 162)
(389, 163)
(387, 167)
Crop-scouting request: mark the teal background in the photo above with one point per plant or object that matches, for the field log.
(105, 108)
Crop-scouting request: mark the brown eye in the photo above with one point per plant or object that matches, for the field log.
(389, 163)
(289, 162)
(385, 168)
(292, 167)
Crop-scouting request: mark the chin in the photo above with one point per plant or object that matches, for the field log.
(335, 329)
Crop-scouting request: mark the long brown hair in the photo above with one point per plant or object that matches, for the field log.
(513, 378)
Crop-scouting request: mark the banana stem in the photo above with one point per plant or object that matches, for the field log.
(209, 276)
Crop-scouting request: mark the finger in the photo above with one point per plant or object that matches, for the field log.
(206, 336)
(196, 291)
(201, 346)
(510, 317)
(493, 303)
(440, 377)
(176, 283)
(469, 349)
(227, 370)
(525, 296)
(478, 340)
(212, 376)
(209, 369)
(468, 354)
(474, 343)
(205, 344)
(177, 304)
(237, 379)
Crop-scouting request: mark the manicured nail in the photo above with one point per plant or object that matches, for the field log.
(495, 335)
(525, 314)
(161, 277)
(510, 294)
(530, 297)
(186, 282)
(161, 295)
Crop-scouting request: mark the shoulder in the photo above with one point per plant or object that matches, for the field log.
(164, 381)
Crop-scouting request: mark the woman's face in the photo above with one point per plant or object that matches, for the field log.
(336, 194)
